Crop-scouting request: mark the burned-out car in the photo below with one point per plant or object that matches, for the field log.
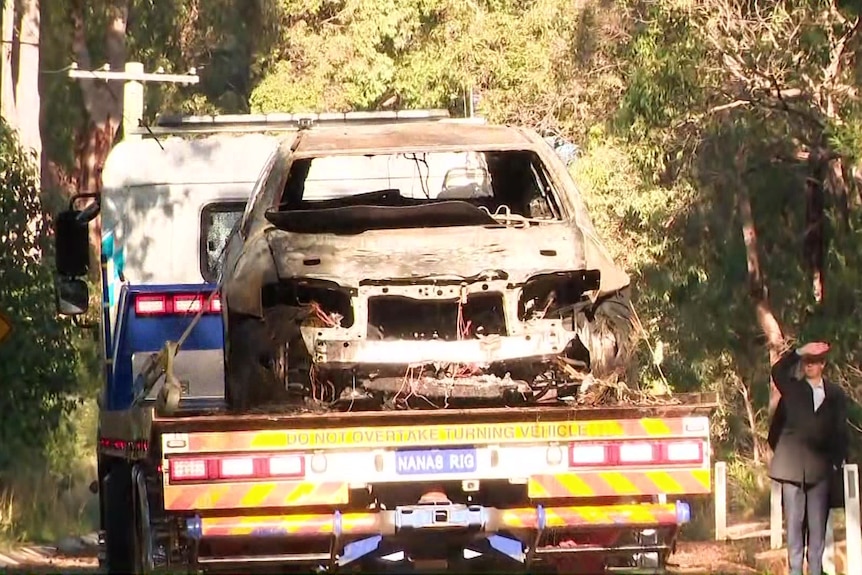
(431, 263)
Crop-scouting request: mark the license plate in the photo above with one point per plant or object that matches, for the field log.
(435, 461)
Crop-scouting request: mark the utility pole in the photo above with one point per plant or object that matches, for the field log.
(134, 78)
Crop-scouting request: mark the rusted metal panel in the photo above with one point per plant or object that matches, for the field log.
(190, 418)
(418, 137)
(395, 255)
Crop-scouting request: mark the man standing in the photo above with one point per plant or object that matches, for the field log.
(811, 443)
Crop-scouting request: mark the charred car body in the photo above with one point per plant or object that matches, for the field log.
(428, 264)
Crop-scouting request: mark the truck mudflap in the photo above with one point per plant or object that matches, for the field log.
(521, 537)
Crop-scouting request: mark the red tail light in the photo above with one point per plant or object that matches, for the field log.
(148, 304)
(234, 468)
(590, 455)
(684, 451)
(188, 469)
(637, 453)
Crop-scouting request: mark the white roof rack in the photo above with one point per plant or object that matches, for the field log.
(279, 122)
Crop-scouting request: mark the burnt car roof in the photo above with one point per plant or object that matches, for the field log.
(413, 136)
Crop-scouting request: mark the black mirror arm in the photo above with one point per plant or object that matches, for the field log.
(91, 211)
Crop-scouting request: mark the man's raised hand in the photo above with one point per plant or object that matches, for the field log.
(814, 348)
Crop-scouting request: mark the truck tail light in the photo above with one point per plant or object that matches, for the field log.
(683, 452)
(149, 304)
(286, 466)
(188, 469)
(236, 468)
(589, 454)
(154, 304)
(637, 453)
(640, 452)
(188, 303)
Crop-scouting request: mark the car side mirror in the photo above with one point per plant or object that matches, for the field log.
(72, 296)
(72, 244)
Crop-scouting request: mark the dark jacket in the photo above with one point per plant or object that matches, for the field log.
(807, 444)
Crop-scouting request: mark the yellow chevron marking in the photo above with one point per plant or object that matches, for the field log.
(300, 492)
(574, 485)
(655, 427)
(704, 477)
(257, 494)
(619, 483)
(665, 482)
(210, 498)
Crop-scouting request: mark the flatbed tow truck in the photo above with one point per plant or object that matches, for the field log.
(187, 485)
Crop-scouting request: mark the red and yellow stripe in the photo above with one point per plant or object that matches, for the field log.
(287, 525)
(253, 495)
(439, 435)
(608, 483)
(309, 525)
(591, 516)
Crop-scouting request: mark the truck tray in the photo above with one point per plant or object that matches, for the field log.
(205, 416)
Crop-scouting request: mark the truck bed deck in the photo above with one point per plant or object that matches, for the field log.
(209, 415)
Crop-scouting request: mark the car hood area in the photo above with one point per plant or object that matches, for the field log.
(403, 255)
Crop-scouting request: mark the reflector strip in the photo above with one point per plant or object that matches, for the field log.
(383, 523)
(281, 525)
(592, 516)
(247, 495)
(600, 483)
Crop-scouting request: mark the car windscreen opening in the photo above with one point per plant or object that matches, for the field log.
(511, 181)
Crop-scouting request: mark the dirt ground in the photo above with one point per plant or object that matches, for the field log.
(751, 557)
(695, 558)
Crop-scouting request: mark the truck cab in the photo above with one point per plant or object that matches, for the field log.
(167, 208)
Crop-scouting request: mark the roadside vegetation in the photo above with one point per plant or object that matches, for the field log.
(717, 140)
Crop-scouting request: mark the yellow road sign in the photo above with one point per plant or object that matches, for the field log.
(5, 327)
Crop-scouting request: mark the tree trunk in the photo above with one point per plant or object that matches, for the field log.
(757, 288)
(813, 240)
(7, 83)
(103, 102)
(27, 99)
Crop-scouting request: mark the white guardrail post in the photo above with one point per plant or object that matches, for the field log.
(720, 500)
(853, 526)
(829, 552)
(776, 517)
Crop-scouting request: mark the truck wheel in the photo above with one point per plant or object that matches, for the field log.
(120, 532)
(611, 337)
(143, 532)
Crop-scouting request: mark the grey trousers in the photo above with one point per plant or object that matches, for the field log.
(806, 509)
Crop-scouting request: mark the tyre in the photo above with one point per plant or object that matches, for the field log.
(611, 337)
(248, 357)
(120, 531)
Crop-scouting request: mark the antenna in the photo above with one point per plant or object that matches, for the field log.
(134, 77)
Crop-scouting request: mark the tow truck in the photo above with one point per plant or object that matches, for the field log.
(187, 484)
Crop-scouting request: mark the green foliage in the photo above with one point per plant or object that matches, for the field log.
(47, 367)
(38, 362)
